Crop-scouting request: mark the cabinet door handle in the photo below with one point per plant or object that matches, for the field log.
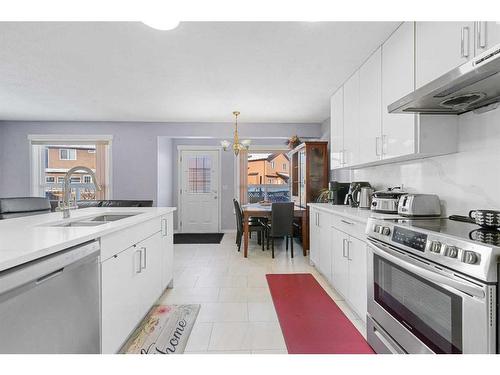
(464, 46)
(144, 254)
(383, 141)
(343, 247)
(376, 146)
(481, 34)
(164, 227)
(138, 252)
(349, 250)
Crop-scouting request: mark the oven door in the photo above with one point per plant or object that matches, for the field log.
(424, 309)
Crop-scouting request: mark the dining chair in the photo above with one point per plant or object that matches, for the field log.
(254, 225)
(281, 224)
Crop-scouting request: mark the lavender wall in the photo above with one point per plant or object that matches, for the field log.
(143, 153)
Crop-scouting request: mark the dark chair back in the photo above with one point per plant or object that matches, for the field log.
(25, 206)
(239, 216)
(282, 219)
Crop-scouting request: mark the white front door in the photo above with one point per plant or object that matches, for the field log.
(199, 191)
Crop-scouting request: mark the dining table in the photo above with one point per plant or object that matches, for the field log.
(257, 210)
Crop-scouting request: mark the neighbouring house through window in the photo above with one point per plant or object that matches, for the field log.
(265, 180)
(51, 158)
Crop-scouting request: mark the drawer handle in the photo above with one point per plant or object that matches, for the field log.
(346, 222)
(139, 270)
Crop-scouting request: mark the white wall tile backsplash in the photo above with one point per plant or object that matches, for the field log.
(466, 180)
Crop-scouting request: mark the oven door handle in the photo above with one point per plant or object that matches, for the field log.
(435, 277)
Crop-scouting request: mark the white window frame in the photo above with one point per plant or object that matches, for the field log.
(75, 180)
(60, 180)
(65, 139)
(68, 150)
(85, 176)
(50, 182)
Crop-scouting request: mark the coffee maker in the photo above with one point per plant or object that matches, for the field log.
(337, 192)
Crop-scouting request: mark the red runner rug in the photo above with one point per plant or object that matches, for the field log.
(310, 320)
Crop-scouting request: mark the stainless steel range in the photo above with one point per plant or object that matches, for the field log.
(431, 288)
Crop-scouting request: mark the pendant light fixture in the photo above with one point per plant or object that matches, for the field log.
(237, 145)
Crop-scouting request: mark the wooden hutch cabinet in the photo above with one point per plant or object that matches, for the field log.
(309, 174)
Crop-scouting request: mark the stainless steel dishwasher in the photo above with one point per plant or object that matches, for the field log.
(51, 305)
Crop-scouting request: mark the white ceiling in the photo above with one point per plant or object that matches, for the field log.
(201, 71)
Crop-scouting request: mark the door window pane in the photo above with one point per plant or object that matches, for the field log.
(199, 176)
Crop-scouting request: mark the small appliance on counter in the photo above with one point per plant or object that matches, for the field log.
(365, 197)
(411, 205)
(353, 196)
(337, 192)
(386, 201)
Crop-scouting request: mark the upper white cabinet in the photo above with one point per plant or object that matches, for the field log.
(337, 129)
(440, 47)
(487, 35)
(351, 120)
(398, 130)
(370, 108)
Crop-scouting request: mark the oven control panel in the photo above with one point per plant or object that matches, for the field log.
(409, 238)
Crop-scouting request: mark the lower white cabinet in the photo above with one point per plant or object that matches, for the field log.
(131, 282)
(320, 242)
(340, 256)
(349, 270)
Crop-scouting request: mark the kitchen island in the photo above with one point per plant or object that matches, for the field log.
(135, 259)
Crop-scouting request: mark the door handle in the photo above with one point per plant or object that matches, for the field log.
(481, 34)
(164, 227)
(349, 249)
(464, 46)
(343, 247)
(144, 251)
(138, 252)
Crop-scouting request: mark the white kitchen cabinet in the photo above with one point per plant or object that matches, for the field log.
(340, 263)
(370, 108)
(314, 237)
(337, 129)
(167, 247)
(441, 47)
(325, 252)
(351, 120)
(357, 256)
(121, 281)
(487, 35)
(319, 242)
(398, 75)
(350, 270)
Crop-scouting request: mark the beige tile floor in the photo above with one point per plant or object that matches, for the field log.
(237, 314)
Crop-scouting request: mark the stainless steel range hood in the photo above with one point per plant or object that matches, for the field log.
(473, 86)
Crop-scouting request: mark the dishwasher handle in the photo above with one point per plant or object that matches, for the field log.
(49, 267)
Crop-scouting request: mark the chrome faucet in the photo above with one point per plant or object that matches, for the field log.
(65, 207)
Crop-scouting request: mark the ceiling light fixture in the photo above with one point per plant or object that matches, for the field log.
(237, 145)
(161, 24)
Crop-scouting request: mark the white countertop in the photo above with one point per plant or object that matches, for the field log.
(28, 238)
(356, 214)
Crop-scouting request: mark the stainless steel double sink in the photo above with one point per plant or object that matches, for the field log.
(93, 221)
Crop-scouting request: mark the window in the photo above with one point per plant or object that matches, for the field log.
(52, 156)
(264, 184)
(199, 180)
(67, 154)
